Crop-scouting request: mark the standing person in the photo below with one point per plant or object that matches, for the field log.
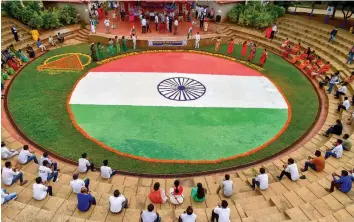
(290, 170)
(100, 51)
(76, 184)
(26, 155)
(40, 191)
(318, 163)
(124, 44)
(344, 183)
(189, 32)
(230, 47)
(334, 129)
(350, 56)
(106, 171)
(261, 180)
(6, 197)
(110, 46)
(122, 14)
(201, 22)
(116, 45)
(14, 32)
(345, 105)
(274, 30)
(252, 53)
(244, 49)
(176, 193)
(143, 25)
(106, 23)
(227, 186)
(85, 200)
(148, 26)
(93, 52)
(156, 21)
(263, 58)
(176, 26)
(158, 195)
(333, 34)
(84, 164)
(45, 156)
(334, 80)
(117, 202)
(197, 40)
(10, 175)
(347, 144)
(6, 153)
(167, 23)
(170, 21)
(149, 215)
(93, 25)
(134, 41)
(221, 212)
(336, 151)
(198, 193)
(188, 216)
(217, 44)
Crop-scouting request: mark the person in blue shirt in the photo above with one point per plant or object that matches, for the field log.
(344, 183)
(85, 200)
(333, 34)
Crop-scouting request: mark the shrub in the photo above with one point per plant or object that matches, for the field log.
(255, 14)
(27, 14)
(32, 5)
(36, 21)
(67, 15)
(16, 10)
(50, 19)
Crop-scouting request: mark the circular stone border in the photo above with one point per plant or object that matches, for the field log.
(311, 130)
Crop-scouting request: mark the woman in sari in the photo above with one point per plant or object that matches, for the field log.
(318, 61)
(30, 51)
(9, 70)
(244, 49)
(296, 49)
(12, 63)
(217, 44)
(285, 44)
(93, 52)
(100, 51)
(263, 58)
(157, 194)
(13, 51)
(22, 56)
(312, 55)
(4, 74)
(111, 47)
(124, 44)
(198, 193)
(252, 53)
(176, 193)
(287, 51)
(325, 68)
(304, 64)
(230, 47)
(116, 45)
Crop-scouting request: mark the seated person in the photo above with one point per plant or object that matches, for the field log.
(335, 129)
(343, 183)
(40, 191)
(40, 45)
(157, 195)
(176, 193)
(76, 184)
(296, 49)
(188, 216)
(85, 200)
(285, 44)
(227, 186)
(52, 41)
(106, 171)
(30, 51)
(60, 37)
(287, 51)
(262, 180)
(6, 197)
(347, 144)
(84, 164)
(341, 91)
(325, 68)
(26, 155)
(11, 175)
(117, 202)
(304, 64)
(6, 153)
(221, 212)
(45, 156)
(46, 173)
(198, 193)
(290, 170)
(336, 151)
(318, 163)
(149, 215)
(345, 105)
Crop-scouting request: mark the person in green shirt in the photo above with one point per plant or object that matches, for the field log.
(116, 44)
(9, 69)
(198, 193)
(111, 47)
(124, 44)
(100, 51)
(347, 144)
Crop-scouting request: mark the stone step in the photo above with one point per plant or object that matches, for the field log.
(296, 214)
(272, 217)
(258, 204)
(257, 213)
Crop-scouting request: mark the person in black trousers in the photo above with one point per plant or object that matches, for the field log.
(14, 32)
(148, 26)
(201, 21)
(170, 24)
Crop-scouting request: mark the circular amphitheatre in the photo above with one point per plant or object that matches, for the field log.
(162, 112)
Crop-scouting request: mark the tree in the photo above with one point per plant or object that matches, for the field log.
(285, 4)
(347, 10)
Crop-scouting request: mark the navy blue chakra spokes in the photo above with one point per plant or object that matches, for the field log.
(181, 89)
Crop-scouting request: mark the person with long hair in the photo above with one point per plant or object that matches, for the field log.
(157, 195)
(230, 48)
(252, 53)
(217, 44)
(244, 49)
(198, 193)
(176, 193)
(263, 58)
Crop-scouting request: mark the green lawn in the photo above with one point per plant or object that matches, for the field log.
(37, 102)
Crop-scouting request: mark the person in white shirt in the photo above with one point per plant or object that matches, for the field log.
(106, 171)
(227, 186)
(84, 164)
(176, 26)
(336, 151)
(167, 22)
(261, 180)
(40, 191)
(290, 170)
(341, 91)
(6, 153)
(52, 41)
(106, 23)
(76, 184)
(149, 215)
(197, 40)
(345, 105)
(26, 156)
(221, 213)
(143, 25)
(156, 21)
(46, 173)
(188, 216)
(134, 41)
(6, 197)
(117, 202)
(274, 30)
(53, 164)
(11, 175)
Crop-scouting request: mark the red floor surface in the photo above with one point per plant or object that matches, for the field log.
(180, 62)
(124, 27)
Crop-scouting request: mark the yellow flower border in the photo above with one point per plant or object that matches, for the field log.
(251, 65)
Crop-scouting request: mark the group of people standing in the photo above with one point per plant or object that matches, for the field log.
(99, 52)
